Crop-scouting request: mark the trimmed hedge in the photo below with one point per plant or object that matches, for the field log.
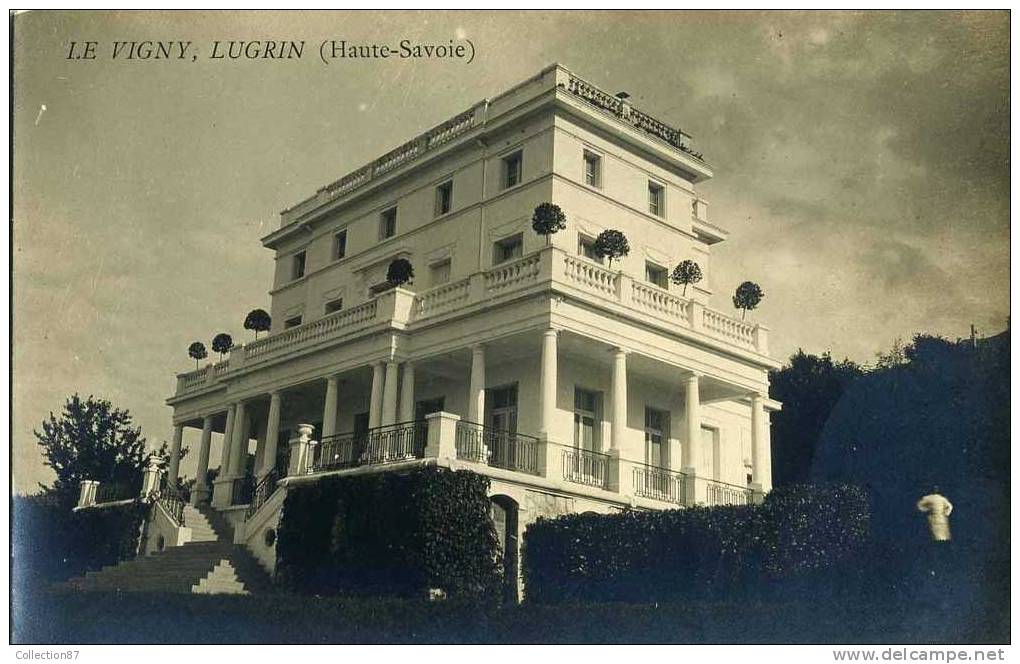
(390, 534)
(695, 553)
(52, 543)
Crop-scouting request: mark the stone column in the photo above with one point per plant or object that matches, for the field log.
(692, 442)
(375, 404)
(330, 408)
(476, 394)
(547, 382)
(300, 453)
(407, 394)
(392, 384)
(84, 498)
(272, 434)
(201, 490)
(239, 446)
(618, 479)
(228, 435)
(759, 451)
(173, 467)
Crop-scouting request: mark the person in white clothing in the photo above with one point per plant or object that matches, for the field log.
(938, 510)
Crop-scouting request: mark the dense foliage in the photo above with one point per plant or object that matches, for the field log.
(196, 351)
(50, 542)
(611, 244)
(547, 219)
(747, 297)
(258, 320)
(91, 440)
(390, 534)
(399, 272)
(699, 552)
(222, 343)
(685, 273)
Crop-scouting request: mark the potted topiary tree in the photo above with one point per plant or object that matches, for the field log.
(611, 244)
(197, 352)
(687, 272)
(399, 272)
(547, 219)
(258, 320)
(222, 343)
(747, 297)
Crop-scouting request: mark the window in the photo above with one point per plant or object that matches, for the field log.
(586, 248)
(508, 249)
(656, 437)
(656, 274)
(388, 223)
(291, 322)
(444, 198)
(334, 305)
(340, 244)
(297, 266)
(656, 199)
(439, 273)
(512, 170)
(501, 402)
(587, 424)
(592, 169)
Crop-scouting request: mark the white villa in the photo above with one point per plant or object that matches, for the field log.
(573, 384)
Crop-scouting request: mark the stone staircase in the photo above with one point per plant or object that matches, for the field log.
(210, 563)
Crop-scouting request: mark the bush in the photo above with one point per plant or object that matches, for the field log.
(390, 534)
(694, 553)
(52, 543)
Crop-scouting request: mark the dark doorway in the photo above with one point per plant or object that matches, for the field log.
(504, 519)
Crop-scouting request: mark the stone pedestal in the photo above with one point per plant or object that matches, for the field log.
(441, 442)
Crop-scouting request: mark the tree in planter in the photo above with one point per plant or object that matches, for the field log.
(258, 320)
(400, 272)
(548, 219)
(90, 440)
(611, 244)
(197, 352)
(222, 343)
(748, 296)
(687, 272)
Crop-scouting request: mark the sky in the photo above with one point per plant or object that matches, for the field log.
(861, 166)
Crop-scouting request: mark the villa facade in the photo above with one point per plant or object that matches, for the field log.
(573, 384)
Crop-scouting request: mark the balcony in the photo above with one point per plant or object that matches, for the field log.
(550, 270)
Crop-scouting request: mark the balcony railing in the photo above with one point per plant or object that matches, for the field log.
(661, 484)
(322, 328)
(262, 492)
(586, 467)
(497, 448)
(109, 492)
(720, 493)
(241, 490)
(172, 501)
(395, 442)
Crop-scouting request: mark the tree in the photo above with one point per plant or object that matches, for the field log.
(197, 351)
(400, 272)
(547, 219)
(687, 272)
(748, 296)
(258, 320)
(91, 440)
(611, 244)
(222, 343)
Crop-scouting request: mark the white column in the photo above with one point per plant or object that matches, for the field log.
(476, 394)
(201, 486)
(173, 466)
(407, 393)
(228, 437)
(329, 410)
(692, 421)
(375, 405)
(758, 449)
(389, 404)
(239, 447)
(272, 434)
(547, 381)
(619, 394)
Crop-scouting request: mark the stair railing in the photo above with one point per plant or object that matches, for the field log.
(170, 498)
(263, 491)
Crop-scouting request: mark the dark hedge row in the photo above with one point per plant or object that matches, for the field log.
(695, 553)
(390, 534)
(52, 543)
